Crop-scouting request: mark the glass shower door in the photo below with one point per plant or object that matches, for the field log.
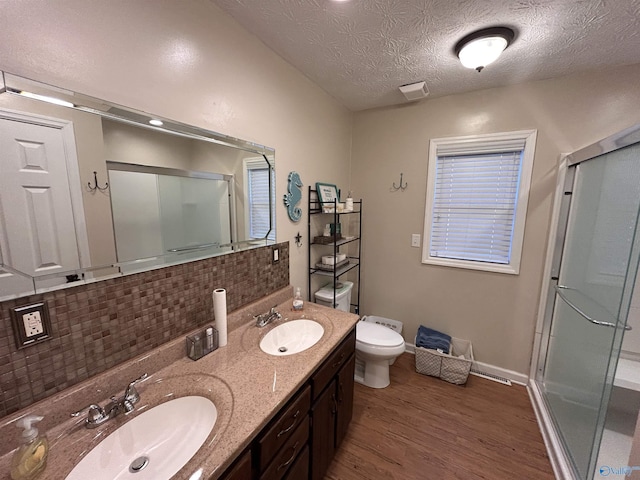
(592, 297)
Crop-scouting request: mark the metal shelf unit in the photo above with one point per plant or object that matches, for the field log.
(315, 209)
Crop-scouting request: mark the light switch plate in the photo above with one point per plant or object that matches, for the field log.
(31, 324)
(415, 240)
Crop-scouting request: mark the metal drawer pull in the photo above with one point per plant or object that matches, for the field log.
(561, 294)
(339, 361)
(288, 462)
(293, 424)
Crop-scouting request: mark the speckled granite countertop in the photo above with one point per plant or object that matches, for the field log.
(247, 386)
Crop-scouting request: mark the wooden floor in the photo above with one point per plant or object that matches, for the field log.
(421, 427)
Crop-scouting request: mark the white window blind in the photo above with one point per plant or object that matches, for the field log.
(474, 206)
(258, 194)
(477, 193)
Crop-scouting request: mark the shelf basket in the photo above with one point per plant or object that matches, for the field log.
(452, 368)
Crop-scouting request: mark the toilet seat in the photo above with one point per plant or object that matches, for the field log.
(374, 335)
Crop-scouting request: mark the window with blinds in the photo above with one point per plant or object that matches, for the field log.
(258, 200)
(476, 204)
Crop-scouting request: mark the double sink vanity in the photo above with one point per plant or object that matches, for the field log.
(265, 406)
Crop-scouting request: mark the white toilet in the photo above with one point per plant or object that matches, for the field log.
(377, 346)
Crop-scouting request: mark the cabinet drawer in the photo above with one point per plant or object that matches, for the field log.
(300, 468)
(284, 459)
(330, 367)
(283, 427)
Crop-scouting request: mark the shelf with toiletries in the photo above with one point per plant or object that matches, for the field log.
(341, 270)
(343, 241)
(334, 233)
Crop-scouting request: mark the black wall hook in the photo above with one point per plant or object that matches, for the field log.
(401, 187)
(95, 186)
(298, 238)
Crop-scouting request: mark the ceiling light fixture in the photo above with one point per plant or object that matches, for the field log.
(156, 122)
(479, 49)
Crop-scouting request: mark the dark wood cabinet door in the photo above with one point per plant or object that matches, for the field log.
(323, 415)
(241, 470)
(344, 394)
(327, 372)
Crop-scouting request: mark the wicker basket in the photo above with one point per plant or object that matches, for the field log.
(447, 367)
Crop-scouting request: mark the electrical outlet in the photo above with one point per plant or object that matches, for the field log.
(415, 240)
(31, 324)
(276, 255)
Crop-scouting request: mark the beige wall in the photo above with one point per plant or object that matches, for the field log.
(189, 62)
(131, 144)
(497, 312)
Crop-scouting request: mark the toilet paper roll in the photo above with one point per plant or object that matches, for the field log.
(220, 314)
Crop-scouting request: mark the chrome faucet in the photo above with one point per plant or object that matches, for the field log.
(97, 415)
(266, 318)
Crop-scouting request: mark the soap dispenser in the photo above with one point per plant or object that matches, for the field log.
(30, 458)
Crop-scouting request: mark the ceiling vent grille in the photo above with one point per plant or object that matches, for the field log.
(415, 91)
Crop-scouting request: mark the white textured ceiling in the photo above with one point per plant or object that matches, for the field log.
(361, 51)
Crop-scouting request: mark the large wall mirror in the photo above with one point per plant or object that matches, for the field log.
(91, 190)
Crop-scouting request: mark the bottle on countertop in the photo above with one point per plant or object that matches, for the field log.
(209, 333)
(30, 459)
(298, 303)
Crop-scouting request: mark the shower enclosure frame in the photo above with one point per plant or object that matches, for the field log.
(560, 457)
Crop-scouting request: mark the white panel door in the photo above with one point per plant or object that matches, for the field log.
(37, 230)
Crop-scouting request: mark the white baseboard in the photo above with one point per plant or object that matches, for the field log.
(559, 460)
(515, 377)
(629, 355)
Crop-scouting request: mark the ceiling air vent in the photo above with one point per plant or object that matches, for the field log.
(415, 91)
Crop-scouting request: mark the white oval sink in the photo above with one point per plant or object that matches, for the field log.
(165, 437)
(292, 337)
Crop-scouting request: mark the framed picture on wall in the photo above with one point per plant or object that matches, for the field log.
(327, 193)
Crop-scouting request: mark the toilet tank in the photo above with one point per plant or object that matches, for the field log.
(324, 296)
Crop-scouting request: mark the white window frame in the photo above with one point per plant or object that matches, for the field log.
(487, 143)
(257, 163)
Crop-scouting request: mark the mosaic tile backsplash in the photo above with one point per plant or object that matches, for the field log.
(98, 326)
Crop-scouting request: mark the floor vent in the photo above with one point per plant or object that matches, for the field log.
(491, 376)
